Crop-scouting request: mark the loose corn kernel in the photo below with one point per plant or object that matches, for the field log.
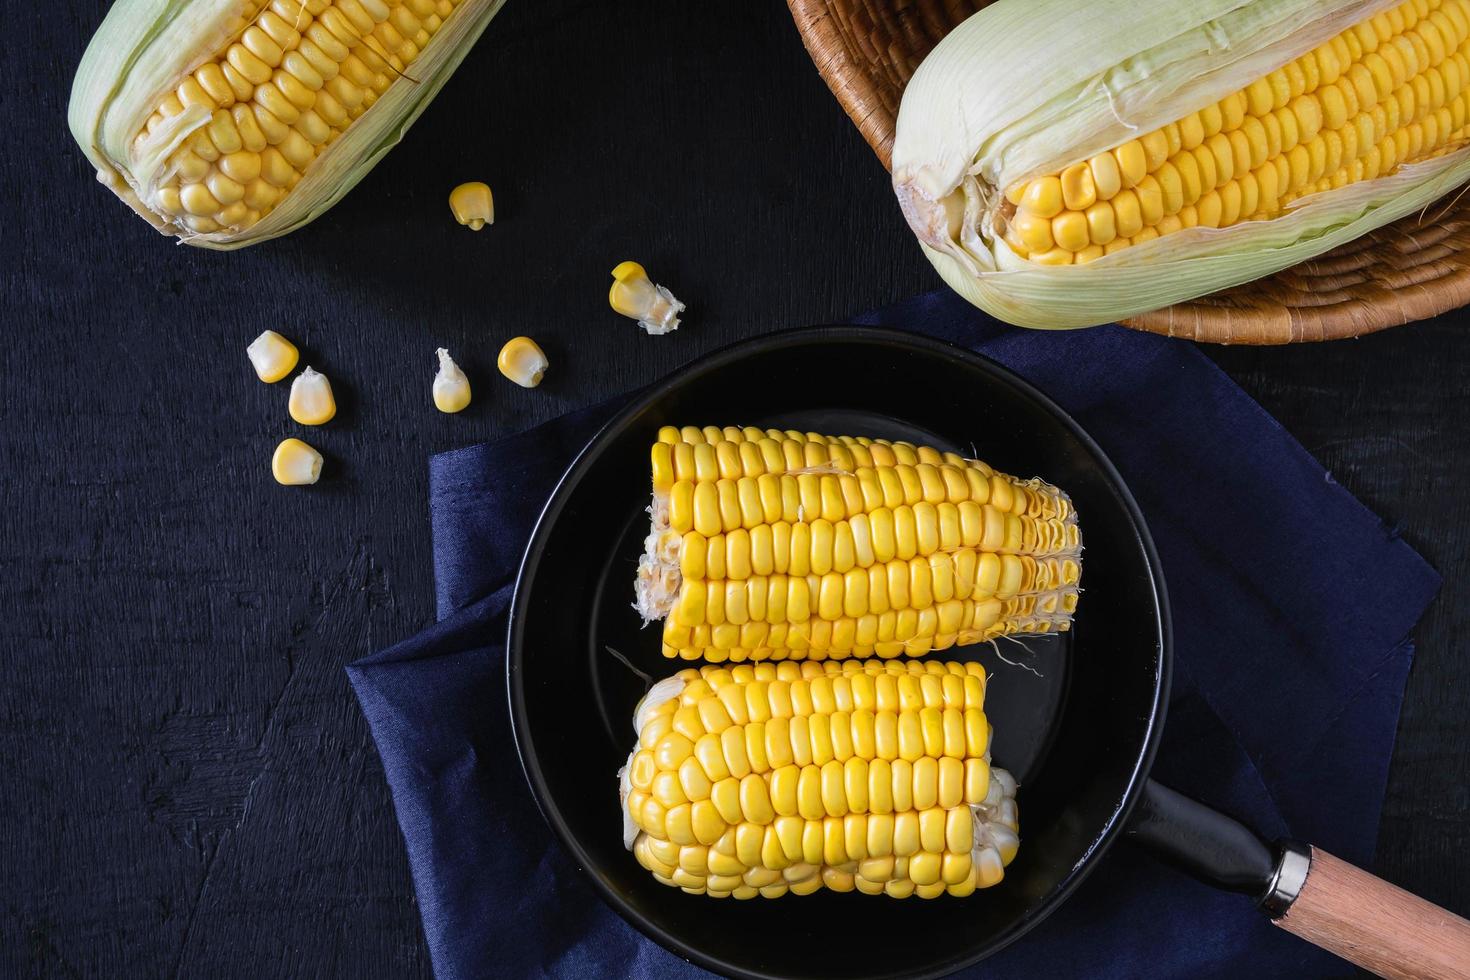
(451, 387)
(522, 361)
(296, 464)
(636, 296)
(473, 205)
(311, 399)
(272, 356)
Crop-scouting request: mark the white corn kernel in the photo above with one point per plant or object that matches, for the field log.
(523, 362)
(311, 398)
(451, 387)
(634, 295)
(272, 356)
(473, 205)
(296, 464)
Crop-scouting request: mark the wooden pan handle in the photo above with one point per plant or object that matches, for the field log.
(1377, 926)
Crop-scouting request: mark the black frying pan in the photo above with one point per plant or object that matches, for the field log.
(1080, 738)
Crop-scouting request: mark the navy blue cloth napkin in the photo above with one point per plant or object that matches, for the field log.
(1292, 608)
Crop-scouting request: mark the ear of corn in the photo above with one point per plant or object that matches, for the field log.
(227, 122)
(1170, 150)
(770, 779)
(770, 545)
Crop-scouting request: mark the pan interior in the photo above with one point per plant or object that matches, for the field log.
(1073, 714)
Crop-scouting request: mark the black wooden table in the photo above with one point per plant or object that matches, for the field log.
(188, 787)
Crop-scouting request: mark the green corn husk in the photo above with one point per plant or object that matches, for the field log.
(144, 49)
(1026, 88)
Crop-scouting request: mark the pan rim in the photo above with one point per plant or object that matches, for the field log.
(721, 358)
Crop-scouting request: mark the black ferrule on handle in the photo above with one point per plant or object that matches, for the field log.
(1202, 842)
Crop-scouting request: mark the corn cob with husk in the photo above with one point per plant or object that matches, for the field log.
(227, 122)
(769, 778)
(769, 544)
(1173, 149)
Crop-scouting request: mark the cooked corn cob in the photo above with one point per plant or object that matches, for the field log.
(768, 544)
(772, 778)
(230, 121)
(1295, 124)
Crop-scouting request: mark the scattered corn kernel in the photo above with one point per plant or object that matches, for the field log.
(634, 295)
(473, 205)
(272, 356)
(311, 398)
(523, 361)
(451, 387)
(296, 464)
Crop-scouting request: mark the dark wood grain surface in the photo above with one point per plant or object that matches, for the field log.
(188, 788)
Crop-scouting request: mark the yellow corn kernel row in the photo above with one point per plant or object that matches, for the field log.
(816, 546)
(1390, 90)
(811, 792)
(835, 477)
(902, 608)
(295, 75)
(788, 582)
(842, 854)
(768, 778)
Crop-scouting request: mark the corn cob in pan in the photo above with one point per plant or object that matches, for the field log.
(769, 544)
(768, 778)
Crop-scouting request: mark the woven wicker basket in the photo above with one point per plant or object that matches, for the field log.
(1418, 267)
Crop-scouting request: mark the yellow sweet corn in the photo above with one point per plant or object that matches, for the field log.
(451, 387)
(296, 464)
(771, 544)
(272, 356)
(523, 361)
(311, 399)
(1173, 149)
(770, 779)
(473, 205)
(636, 296)
(227, 122)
